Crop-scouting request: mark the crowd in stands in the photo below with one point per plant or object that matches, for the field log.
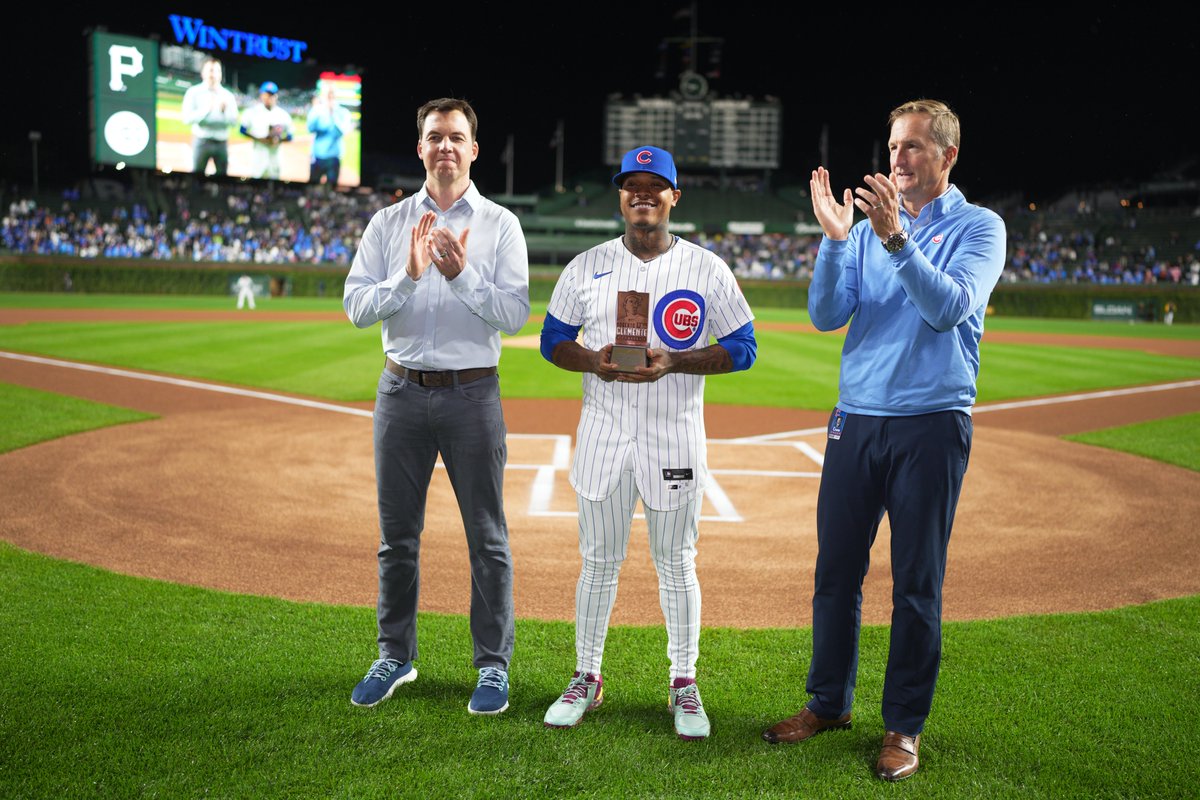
(767, 256)
(263, 225)
(1077, 255)
(280, 223)
(1038, 257)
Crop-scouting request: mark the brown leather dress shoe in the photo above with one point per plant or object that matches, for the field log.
(804, 725)
(898, 756)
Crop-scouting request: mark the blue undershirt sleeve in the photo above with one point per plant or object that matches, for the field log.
(741, 344)
(554, 331)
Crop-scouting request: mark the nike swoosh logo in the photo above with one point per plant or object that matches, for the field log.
(596, 275)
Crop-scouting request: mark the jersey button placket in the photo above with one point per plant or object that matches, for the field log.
(632, 414)
(433, 296)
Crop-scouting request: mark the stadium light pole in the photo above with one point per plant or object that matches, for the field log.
(559, 145)
(34, 138)
(507, 158)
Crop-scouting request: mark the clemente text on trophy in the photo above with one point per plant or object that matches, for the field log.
(629, 347)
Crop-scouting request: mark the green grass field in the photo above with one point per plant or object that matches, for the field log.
(795, 369)
(31, 416)
(121, 687)
(1174, 440)
(157, 302)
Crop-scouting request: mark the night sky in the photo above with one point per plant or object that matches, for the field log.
(1047, 102)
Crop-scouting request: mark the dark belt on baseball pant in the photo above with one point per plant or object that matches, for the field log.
(429, 378)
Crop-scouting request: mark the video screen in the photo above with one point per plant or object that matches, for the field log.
(221, 114)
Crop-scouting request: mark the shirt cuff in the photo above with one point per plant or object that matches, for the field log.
(832, 246)
(403, 285)
(554, 332)
(396, 290)
(466, 282)
(901, 256)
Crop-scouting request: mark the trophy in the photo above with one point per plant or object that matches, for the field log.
(629, 348)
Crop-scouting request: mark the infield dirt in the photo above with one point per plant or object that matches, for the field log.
(254, 496)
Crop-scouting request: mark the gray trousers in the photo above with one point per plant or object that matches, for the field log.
(204, 149)
(465, 424)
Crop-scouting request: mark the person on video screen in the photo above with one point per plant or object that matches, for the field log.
(211, 110)
(269, 126)
(328, 122)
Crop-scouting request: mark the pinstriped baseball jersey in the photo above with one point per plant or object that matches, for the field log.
(659, 426)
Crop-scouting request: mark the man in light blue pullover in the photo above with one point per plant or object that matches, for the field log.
(913, 280)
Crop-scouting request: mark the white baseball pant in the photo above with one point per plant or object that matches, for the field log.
(603, 540)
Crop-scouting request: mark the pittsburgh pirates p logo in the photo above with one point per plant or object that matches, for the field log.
(123, 61)
(679, 318)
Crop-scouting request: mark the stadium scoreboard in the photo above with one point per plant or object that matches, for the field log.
(707, 133)
(140, 114)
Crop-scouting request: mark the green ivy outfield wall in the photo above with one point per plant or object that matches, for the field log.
(34, 273)
(1070, 301)
(31, 273)
(1087, 301)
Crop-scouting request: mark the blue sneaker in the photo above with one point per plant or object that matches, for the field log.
(382, 679)
(491, 693)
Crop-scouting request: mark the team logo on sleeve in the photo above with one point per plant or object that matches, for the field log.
(679, 318)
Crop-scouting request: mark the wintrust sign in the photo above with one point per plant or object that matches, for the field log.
(194, 32)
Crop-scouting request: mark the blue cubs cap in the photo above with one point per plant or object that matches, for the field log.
(269, 87)
(654, 160)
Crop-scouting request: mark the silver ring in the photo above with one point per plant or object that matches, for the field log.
(442, 254)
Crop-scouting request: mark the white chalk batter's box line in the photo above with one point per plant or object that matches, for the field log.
(542, 491)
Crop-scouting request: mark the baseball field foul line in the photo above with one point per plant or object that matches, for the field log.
(542, 489)
(1072, 398)
(1039, 401)
(541, 492)
(207, 387)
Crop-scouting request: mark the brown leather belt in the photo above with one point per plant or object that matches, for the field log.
(438, 378)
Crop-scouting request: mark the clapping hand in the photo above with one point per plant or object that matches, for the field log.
(835, 218)
(448, 252)
(418, 246)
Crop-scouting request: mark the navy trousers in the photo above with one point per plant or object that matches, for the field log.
(912, 468)
(465, 424)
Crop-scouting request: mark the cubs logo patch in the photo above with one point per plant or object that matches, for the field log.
(644, 157)
(679, 318)
(937, 239)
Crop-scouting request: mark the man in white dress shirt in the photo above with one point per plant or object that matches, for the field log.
(210, 109)
(442, 301)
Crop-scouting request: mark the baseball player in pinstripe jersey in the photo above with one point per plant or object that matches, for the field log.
(641, 432)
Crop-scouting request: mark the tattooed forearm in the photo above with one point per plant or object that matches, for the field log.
(573, 358)
(712, 360)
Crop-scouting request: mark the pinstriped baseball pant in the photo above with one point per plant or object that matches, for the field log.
(603, 541)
